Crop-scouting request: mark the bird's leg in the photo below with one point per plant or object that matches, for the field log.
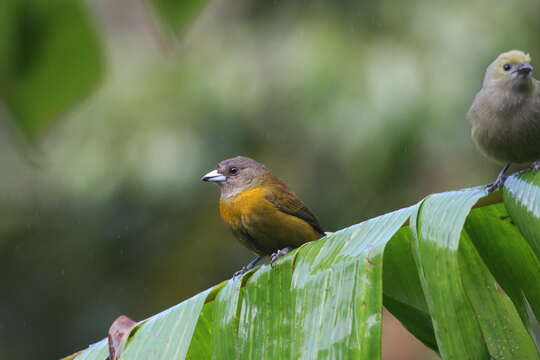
(499, 182)
(279, 254)
(535, 166)
(248, 267)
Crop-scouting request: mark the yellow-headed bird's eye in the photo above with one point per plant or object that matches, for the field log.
(506, 67)
(233, 171)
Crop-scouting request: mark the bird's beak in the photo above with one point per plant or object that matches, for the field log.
(214, 176)
(524, 69)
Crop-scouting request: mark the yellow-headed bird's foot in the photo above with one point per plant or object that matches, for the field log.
(279, 254)
(248, 267)
(499, 182)
(535, 166)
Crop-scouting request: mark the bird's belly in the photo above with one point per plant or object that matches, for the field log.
(508, 140)
(273, 230)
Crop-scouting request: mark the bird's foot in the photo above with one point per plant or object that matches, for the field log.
(535, 166)
(248, 267)
(497, 184)
(240, 272)
(279, 254)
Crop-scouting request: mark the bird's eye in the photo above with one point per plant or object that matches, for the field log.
(506, 67)
(233, 171)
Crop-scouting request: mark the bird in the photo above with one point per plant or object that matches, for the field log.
(263, 214)
(505, 114)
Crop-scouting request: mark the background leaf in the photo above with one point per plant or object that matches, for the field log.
(52, 60)
(177, 15)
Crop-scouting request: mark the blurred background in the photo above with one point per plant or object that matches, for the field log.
(111, 111)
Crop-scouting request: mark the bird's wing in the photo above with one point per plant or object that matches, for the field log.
(287, 202)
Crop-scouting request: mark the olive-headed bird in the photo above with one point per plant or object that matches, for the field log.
(261, 211)
(505, 114)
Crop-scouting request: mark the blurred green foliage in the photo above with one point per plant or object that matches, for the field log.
(358, 106)
(178, 15)
(51, 59)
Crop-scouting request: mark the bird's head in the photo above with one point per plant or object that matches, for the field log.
(236, 175)
(511, 69)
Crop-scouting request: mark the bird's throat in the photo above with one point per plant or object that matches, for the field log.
(523, 85)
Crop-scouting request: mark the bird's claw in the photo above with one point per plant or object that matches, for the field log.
(497, 184)
(535, 166)
(240, 272)
(248, 267)
(279, 254)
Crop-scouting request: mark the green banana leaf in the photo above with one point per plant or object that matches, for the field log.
(459, 269)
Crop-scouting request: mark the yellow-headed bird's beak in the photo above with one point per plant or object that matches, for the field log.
(524, 69)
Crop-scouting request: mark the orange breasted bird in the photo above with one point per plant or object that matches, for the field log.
(505, 114)
(263, 214)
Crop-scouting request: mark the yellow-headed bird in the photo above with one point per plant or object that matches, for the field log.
(505, 114)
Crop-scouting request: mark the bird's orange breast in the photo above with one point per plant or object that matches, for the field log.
(261, 226)
(241, 206)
